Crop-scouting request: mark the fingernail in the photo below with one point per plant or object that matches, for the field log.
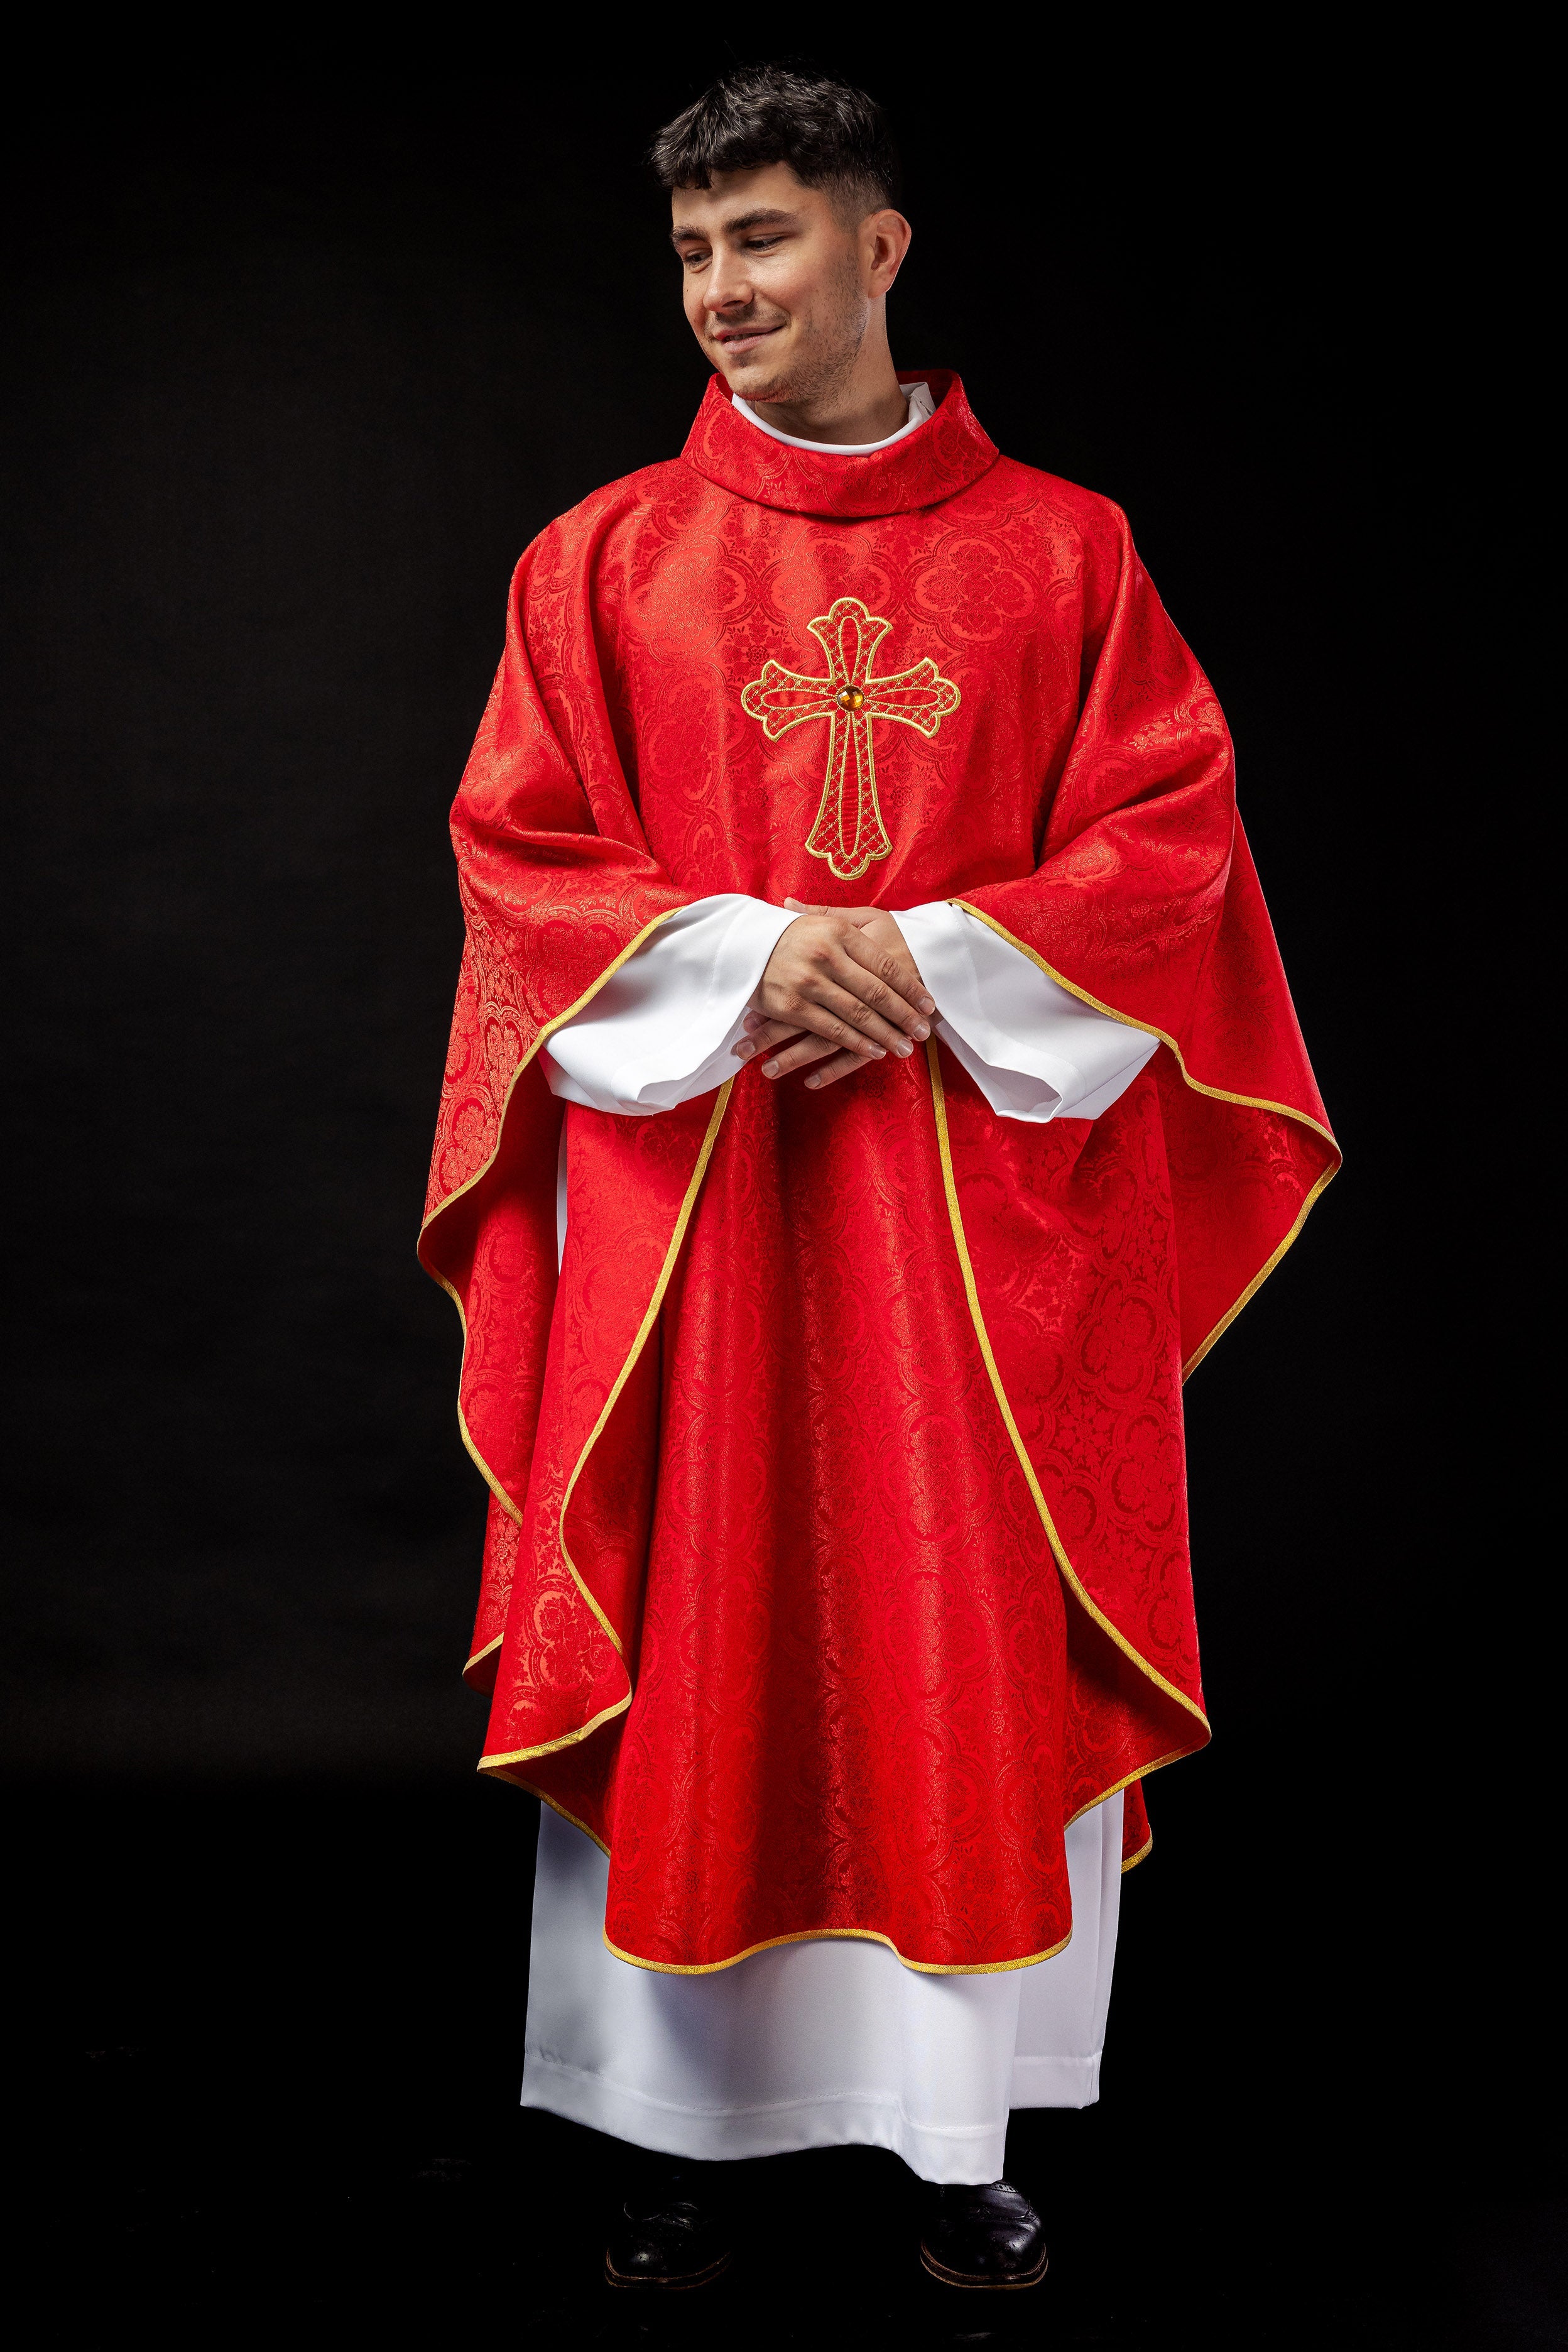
(921, 1030)
(744, 1048)
(879, 1053)
(903, 1049)
(812, 1082)
(770, 1069)
(927, 1004)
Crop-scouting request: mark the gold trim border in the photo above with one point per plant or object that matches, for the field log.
(497, 1764)
(1264, 1271)
(568, 1740)
(683, 1220)
(1219, 1094)
(515, 1781)
(1140, 1772)
(837, 1935)
(558, 1021)
(1130, 1863)
(956, 1217)
(463, 1431)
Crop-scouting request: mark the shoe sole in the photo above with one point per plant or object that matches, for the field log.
(990, 2285)
(666, 2286)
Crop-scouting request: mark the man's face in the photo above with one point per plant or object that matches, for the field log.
(780, 280)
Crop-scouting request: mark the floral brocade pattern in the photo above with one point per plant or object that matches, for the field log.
(839, 1553)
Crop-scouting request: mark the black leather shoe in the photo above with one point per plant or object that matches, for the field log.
(666, 2237)
(984, 2237)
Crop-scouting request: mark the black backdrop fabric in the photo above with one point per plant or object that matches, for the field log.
(292, 378)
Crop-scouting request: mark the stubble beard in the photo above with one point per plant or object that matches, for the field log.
(824, 356)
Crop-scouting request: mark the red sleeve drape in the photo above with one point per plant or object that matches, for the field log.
(558, 888)
(1147, 904)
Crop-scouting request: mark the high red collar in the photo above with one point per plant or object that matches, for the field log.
(940, 458)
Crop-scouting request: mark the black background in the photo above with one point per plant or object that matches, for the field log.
(294, 370)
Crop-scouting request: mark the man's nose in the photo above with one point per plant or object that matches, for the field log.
(728, 283)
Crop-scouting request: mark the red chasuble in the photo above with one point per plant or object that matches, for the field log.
(838, 1552)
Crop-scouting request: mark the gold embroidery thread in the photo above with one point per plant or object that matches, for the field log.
(849, 831)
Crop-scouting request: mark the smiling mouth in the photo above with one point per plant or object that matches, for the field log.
(739, 339)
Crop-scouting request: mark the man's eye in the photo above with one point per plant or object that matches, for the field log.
(762, 244)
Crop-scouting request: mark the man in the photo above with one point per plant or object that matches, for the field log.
(872, 1082)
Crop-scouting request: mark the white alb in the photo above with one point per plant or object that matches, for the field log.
(814, 2044)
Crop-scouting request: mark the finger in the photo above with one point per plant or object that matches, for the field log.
(758, 1025)
(847, 1003)
(804, 1050)
(865, 969)
(765, 1031)
(828, 1010)
(866, 973)
(897, 973)
(838, 1068)
(761, 1034)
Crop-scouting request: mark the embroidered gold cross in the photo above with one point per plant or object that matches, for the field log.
(849, 831)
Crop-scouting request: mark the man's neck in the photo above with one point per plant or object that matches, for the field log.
(868, 405)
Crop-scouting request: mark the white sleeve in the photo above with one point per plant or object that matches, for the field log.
(1035, 1051)
(660, 1031)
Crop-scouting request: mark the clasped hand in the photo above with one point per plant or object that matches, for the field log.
(840, 989)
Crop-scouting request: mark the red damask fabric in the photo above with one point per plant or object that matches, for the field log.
(838, 1554)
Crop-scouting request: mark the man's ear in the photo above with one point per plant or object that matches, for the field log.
(885, 237)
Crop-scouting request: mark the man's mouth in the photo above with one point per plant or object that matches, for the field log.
(735, 341)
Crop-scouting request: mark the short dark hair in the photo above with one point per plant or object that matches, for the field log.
(831, 136)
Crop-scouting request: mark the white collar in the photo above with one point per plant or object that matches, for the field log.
(921, 407)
